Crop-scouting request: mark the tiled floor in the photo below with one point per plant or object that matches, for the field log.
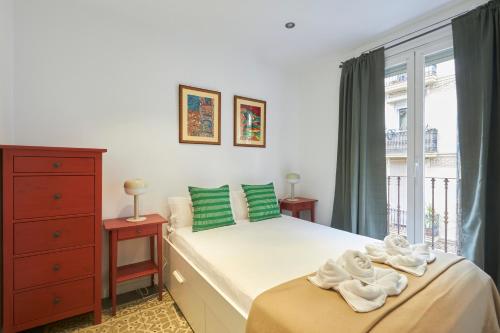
(135, 313)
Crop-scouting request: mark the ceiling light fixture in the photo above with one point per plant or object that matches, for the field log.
(289, 25)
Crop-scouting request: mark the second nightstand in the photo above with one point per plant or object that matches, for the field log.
(119, 230)
(298, 205)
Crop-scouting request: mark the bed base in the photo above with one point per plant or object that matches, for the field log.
(205, 307)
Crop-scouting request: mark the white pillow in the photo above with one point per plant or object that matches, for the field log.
(239, 205)
(181, 209)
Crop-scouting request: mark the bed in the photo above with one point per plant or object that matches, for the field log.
(215, 275)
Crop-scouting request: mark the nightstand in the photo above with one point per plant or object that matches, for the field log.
(119, 229)
(298, 205)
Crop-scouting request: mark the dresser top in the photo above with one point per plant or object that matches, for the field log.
(53, 148)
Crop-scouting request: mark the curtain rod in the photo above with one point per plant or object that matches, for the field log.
(413, 32)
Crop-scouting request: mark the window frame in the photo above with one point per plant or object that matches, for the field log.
(413, 54)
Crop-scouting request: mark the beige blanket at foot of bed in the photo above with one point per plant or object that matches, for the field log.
(454, 295)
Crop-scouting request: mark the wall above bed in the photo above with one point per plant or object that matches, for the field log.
(92, 78)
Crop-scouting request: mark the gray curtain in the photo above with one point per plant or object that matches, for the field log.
(360, 186)
(476, 42)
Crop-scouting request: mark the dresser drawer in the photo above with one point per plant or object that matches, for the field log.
(52, 267)
(134, 232)
(53, 164)
(50, 301)
(41, 196)
(53, 234)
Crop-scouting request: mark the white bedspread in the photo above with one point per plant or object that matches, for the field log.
(245, 259)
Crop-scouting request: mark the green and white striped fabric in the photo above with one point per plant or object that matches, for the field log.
(262, 203)
(212, 207)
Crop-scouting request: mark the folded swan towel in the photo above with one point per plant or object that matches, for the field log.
(360, 267)
(397, 252)
(363, 286)
(330, 275)
(361, 298)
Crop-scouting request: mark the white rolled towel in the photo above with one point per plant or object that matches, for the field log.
(329, 275)
(397, 252)
(360, 297)
(424, 251)
(376, 252)
(391, 282)
(358, 265)
(412, 264)
(397, 245)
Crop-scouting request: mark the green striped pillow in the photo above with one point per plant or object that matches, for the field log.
(262, 203)
(212, 208)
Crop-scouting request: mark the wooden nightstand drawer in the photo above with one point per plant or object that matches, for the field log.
(137, 231)
(50, 301)
(52, 267)
(53, 234)
(53, 164)
(44, 196)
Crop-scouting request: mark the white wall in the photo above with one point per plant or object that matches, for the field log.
(6, 70)
(94, 79)
(318, 87)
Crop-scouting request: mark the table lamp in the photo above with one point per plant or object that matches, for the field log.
(135, 187)
(292, 178)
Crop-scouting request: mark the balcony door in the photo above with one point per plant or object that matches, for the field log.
(421, 144)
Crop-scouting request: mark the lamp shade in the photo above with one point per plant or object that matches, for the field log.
(292, 178)
(135, 186)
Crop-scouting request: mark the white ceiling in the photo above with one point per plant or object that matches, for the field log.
(257, 26)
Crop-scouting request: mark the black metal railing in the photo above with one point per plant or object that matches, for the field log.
(396, 141)
(397, 216)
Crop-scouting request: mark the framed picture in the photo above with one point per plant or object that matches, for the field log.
(199, 115)
(249, 122)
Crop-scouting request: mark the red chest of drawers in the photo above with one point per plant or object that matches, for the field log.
(51, 220)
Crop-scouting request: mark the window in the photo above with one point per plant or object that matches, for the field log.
(421, 144)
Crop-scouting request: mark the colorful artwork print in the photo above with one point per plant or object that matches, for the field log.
(200, 116)
(250, 123)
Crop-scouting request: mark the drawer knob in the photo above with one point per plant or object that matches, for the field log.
(138, 230)
(56, 234)
(56, 165)
(56, 267)
(57, 196)
(56, 300)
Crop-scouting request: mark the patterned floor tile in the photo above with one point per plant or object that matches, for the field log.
(140, 316)
(165, 318)
(126, 324)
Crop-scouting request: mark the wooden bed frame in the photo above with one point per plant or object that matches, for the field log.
(205, 307)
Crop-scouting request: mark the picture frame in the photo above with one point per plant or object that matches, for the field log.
(199, 115)
(249, 122)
